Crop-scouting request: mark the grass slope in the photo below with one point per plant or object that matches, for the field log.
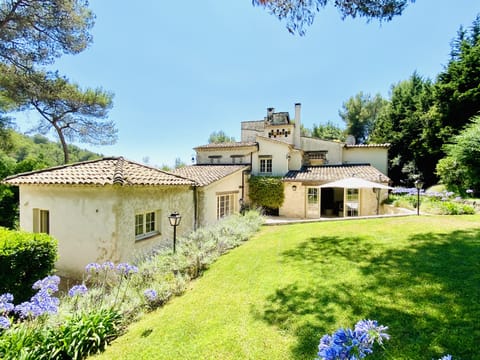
(275, 296)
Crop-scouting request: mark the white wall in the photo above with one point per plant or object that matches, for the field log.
(96, 223)
(333, 148)
(225, 156)
(375, 156)
(279, 152)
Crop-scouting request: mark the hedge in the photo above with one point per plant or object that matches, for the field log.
(24, 258)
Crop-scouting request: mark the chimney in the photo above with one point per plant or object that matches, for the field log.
(270, 112)
(298, 125)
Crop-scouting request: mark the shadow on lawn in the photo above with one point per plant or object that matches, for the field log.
(427, 291)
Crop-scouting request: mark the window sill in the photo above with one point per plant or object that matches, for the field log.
(146, 236)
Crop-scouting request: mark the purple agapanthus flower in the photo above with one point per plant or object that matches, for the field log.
(108, 265)
(150, 294)
(93, 268)
(49, 284)
(126, 269)
(77, 290)
(446, 357)
(351, 344)
(4, 322)
(6, 303)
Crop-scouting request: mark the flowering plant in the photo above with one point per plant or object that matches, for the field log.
(348, 344)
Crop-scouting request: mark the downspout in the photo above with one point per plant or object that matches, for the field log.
(195, 210)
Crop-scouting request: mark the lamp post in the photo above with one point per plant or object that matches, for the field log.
(419, 186)
(174, 219)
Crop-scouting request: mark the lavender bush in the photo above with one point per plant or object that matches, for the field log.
(93, 313)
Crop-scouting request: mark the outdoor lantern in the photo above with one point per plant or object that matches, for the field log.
(174, 219)
(419, 186)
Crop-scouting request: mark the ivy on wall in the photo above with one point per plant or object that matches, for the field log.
(266, 191)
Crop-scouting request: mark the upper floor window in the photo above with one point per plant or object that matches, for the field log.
(266, 165)
(41, 221)
(146, 224)
(215, 159)
(237, 159)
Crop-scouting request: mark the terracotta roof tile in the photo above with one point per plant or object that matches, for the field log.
(207, 174)
(327, 173)
(106, 171)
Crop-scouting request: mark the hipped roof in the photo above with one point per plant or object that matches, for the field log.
(105, 171)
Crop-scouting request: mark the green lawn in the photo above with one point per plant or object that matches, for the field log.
(276, 295)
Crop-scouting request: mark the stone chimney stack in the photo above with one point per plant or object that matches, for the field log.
(298, 125)
(270, 112)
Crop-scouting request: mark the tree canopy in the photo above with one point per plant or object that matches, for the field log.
(73, 113)
(422, 115)
(220, 137)
(26, 154)
(299, 14)
(38, 31)
(460, 169)
(360, 113)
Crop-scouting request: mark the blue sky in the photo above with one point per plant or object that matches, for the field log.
(181, 70)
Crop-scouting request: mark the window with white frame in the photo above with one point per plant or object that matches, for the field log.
(41, 221)
(225, 204)
(266, 165)
(352, 202)
(146, 224)
(312, 196)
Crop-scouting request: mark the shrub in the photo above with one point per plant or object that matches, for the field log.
(24, 258)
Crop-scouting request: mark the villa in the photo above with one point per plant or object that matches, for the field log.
(113, 208)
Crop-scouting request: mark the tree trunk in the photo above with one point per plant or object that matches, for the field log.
(61, 137)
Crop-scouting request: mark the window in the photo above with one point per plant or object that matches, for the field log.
(266, 165)
(215, 159)
(352, 194)
(225, 205)
(352, 202)
(312, 196)
(41, 221)
(146, 225)
(237, 159)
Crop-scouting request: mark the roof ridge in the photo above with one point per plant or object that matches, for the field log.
(59, 167)
(118, 172)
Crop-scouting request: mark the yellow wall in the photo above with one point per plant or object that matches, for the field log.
(294, 203)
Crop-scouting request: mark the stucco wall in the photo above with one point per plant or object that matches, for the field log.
(96, 223)
(251, 129)
(334, 149)
(294, 203)
(278, 151)
(208, 197)
(224, 156)
(377, 157)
